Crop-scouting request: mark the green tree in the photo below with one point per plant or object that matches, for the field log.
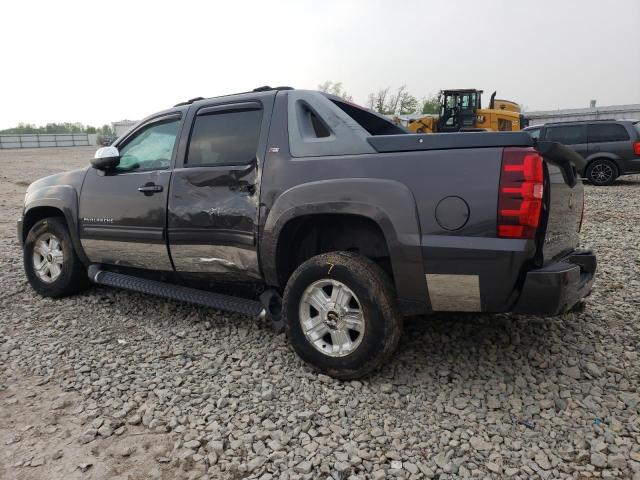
(106, 130)
(402, 102)
(431, 104)
(66, 127)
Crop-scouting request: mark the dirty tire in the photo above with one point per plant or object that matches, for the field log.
(376, 295)
(602, 172)
(73, 275)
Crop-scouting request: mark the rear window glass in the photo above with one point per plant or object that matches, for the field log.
(568, 135)
(372, 123)
(607, 132)
(228, 138)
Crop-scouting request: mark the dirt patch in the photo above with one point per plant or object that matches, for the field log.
(47, 433)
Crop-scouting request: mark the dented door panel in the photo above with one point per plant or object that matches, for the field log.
(212, 215)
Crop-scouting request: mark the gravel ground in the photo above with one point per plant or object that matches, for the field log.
(110, 384)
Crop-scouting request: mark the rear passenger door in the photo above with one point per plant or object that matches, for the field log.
(611, 138)
(213, 199)
(574, 136)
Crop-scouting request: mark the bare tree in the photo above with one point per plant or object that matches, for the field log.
(401, 102)
(394, 101)
(335, 88)
(378, 101)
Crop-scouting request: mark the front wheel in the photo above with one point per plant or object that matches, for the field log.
(50, 262)
(602, 172)
(340, 314)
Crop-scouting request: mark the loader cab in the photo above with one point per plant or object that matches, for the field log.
(458, 109)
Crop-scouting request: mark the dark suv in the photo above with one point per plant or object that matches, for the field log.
(609, 147)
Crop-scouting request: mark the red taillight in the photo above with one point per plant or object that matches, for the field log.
(636, 148)
(521, 192)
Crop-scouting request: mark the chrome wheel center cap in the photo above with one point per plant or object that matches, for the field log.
(332, 320)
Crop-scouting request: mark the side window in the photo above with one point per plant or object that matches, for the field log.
(150, 148)
(225, 138)
(373, 123)
(569, 135)
(534, 132)
(607, 132)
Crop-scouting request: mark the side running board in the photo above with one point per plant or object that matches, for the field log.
(176, 292)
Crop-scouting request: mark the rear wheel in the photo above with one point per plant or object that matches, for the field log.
(50, 262)
(340, 314)
(602, 172)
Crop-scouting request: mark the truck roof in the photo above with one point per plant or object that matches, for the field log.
(265, 88)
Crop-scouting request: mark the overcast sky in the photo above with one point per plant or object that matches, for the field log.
(97, 62)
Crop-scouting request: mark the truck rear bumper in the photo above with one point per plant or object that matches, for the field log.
(556, 288)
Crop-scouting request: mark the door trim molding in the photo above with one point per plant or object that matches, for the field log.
(108, 232)
(202, 235)
(152, 256)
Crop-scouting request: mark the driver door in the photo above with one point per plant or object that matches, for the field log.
(123, 212)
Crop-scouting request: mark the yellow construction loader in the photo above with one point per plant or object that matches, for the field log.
(461, 110)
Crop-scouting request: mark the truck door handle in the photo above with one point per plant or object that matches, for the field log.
(150, 188)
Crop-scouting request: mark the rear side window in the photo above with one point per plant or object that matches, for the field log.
(225, 138)
(374, 124)
(607, 132)
(534, 132)
(567, 135)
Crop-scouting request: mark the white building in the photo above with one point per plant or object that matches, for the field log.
(122, 126)
(610, 112)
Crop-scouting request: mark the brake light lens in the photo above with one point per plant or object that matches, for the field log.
(636, 148)
(521, 193)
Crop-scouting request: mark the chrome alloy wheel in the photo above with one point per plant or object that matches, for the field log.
(48, 257)
(331, 317)
(602, 173)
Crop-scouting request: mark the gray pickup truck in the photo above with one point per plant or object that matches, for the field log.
(340, 222)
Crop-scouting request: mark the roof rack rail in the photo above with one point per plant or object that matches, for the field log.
(267, 88)
(596, 120)
(188, 102)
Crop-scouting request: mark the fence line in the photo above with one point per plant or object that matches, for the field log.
(39, 140)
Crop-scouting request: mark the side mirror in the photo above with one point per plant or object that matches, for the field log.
(106, 158)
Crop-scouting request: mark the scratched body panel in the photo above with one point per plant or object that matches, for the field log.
(211, 220)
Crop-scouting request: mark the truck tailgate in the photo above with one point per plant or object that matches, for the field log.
(564, 201)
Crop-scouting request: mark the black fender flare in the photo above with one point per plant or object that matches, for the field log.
(390, 204)
(65, 199)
